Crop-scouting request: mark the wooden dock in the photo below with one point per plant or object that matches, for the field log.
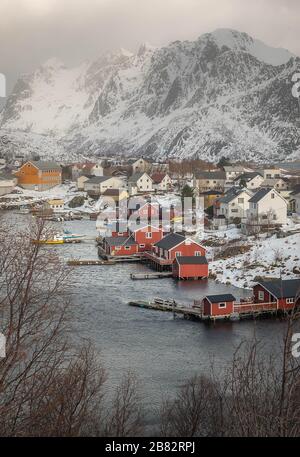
(169, 306)
(158, 275)
(90, 262)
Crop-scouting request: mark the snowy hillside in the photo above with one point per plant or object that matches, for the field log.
(225, 94)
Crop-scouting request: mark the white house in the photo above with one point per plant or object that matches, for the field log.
(139, 183)
(141, 166)
(271, 173)
(276, 183)
(234, 204)
(251, 180)
(267, 206)
(97, 185)
(161, 181)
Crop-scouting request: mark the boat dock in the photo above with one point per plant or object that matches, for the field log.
(90, 262)
(169, 306)
(158, 275)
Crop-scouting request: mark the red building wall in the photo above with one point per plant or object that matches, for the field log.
(140, 237)
(186, 250)
(214, 310)
(133, 249)
(189, 271)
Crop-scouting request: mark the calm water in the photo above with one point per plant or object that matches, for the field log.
(162, 351)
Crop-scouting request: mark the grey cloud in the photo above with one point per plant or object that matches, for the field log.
(31, 31)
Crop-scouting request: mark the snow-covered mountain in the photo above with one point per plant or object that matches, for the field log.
(225, 94)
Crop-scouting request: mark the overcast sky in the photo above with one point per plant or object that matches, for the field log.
(31, 31)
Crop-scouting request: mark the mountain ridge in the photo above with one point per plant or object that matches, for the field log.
(224, 94)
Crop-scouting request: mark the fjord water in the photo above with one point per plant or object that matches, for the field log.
(160, 350)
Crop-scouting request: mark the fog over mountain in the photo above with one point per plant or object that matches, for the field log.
(224, 94)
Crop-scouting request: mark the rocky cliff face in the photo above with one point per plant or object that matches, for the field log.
(224, 94)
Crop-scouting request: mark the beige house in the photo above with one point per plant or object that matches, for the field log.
(81, 180)
(97, 185)
(276, 183)
(209, 180)
(250, 180)
(161, 181)
(271, 173)
(56, 204)
(141, 166)
(140, 183)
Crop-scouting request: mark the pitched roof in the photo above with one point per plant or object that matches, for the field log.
(286, 288)
(136, 176)
(210, 175)
(112, 192)
(248, 176)
(97, 179)
(259, 195)
(192, 260)
(45, 165)
(231, 194)
(220, 298)
(158, 177)
(170, 240)
(120, 241)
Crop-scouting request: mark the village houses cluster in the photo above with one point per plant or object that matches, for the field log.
(252, 198)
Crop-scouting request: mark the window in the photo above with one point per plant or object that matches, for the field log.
(198, 253)
(261, 295)
(118, 248)
(222, 305)
(127, 248)
(148, 235)
(272, 195)
(178, 254)
(290, 300)
(240, 200)
(142, 245)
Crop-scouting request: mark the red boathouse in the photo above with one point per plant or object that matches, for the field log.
(218, 305)
(192, 267)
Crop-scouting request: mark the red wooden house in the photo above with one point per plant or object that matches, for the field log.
(192, 267)
(171, 246)
(147, 236)
(218, 305)
(120, 245)
(175, 245)
(282, 293)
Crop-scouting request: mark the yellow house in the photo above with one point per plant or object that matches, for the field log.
(55, 204)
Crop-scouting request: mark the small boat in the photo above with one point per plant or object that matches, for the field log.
(57, 239)
(68, 236)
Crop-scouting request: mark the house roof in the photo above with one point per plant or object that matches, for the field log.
(218, 175)
(286, 288)
(236, 168)
(120, 241)
(112, 192)
(98, 179)
(247, 176)
(44, 165)
(259, 195)
(170, 241)
(220, 298)
(231, 194)
(136, 176)
(192, 260)
(158, 177)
